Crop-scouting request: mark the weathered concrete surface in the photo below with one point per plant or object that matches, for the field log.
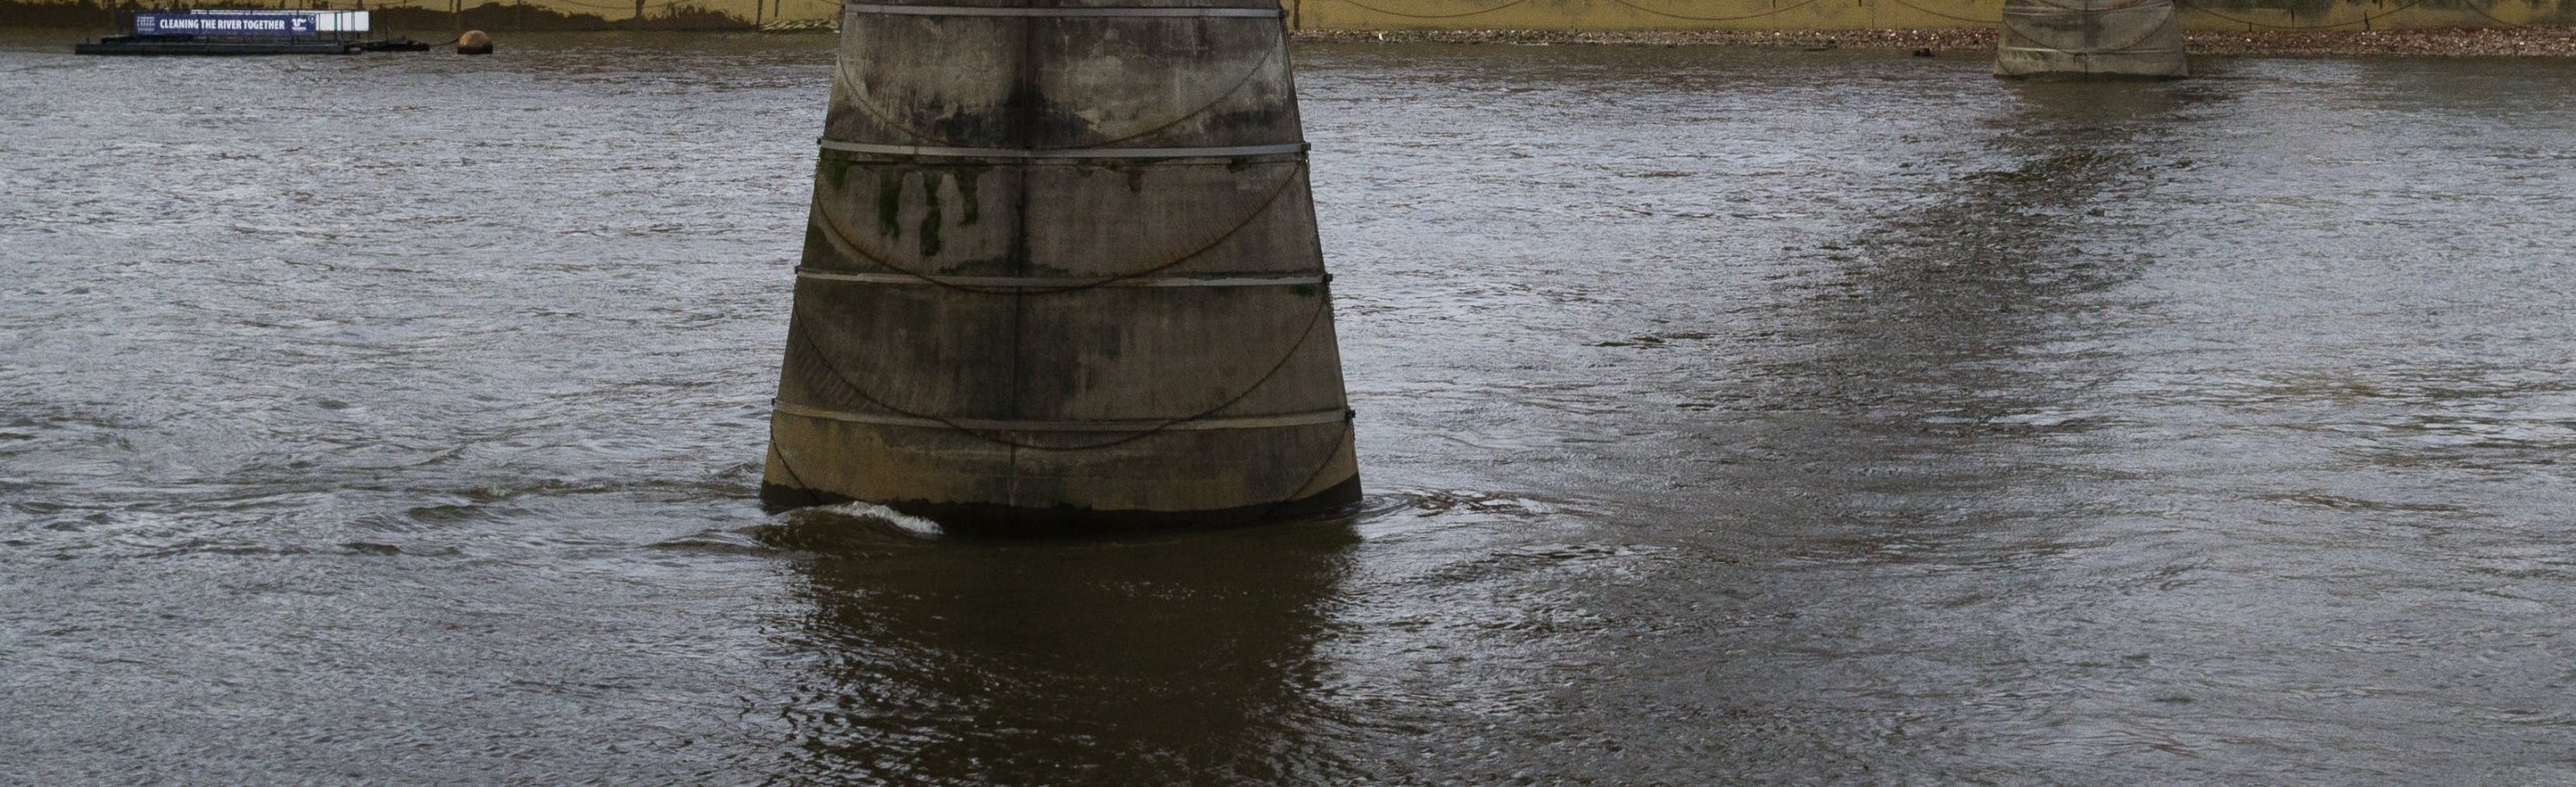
(2090, 39)
(1061, 273)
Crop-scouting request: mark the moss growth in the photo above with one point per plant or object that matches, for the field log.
(816, 246)
(890, 204)
(967, 178)
(835, 168)
(930, 218)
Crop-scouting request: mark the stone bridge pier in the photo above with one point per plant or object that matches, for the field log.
(2090, 39)
(1061, 274)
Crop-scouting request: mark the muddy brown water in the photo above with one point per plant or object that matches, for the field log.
(1729, 416)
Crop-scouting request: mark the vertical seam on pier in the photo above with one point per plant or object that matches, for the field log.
(1021, 121)
(1288, 80)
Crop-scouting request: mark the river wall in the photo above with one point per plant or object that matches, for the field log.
(499, 17)
(1554, 15)
(1895, 14)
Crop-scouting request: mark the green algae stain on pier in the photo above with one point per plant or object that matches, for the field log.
(967, 179)
(836, 169)
(890, 205)
(930, 216)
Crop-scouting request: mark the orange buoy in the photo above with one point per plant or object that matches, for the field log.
(474, 42)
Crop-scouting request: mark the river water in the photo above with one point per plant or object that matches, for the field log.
(1728, 416)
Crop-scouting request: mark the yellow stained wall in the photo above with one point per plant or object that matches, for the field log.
(1610, 15)
(612, 10)
(1882, 14)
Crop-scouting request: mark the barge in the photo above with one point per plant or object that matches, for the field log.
(245, 31)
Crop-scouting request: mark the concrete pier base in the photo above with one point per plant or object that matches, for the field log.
(1061, 274)
(2090, 39)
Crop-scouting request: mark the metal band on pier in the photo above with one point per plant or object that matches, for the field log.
(1064, 283)
(965, 10)
(984, 164)
(976, 424)
(1236, 151)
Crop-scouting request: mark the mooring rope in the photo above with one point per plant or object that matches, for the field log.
(2000, 21)
(1331, 455)
(2251, 23)
(2080, 9)
(1476, 12)
(1341, 437)
(1248, 74)
(1323, 306)
(1783, 10)
(882, 115)
(2132, 44)
(2491, 15)
(2365, 20)
(1951, 17)
(840, 236)
(783, 464)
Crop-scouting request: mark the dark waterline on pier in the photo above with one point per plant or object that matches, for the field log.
(1730, 416)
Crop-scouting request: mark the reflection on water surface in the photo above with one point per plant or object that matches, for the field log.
(1732, 416)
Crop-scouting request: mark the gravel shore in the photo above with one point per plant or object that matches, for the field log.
(2553, 41)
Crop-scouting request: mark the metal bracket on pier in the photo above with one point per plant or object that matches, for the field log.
(983, 425)
(1235, 151)
(1065, 283)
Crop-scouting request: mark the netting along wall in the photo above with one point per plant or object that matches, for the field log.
(1890, 14)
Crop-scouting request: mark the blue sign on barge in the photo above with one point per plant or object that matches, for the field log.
(245, 31)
